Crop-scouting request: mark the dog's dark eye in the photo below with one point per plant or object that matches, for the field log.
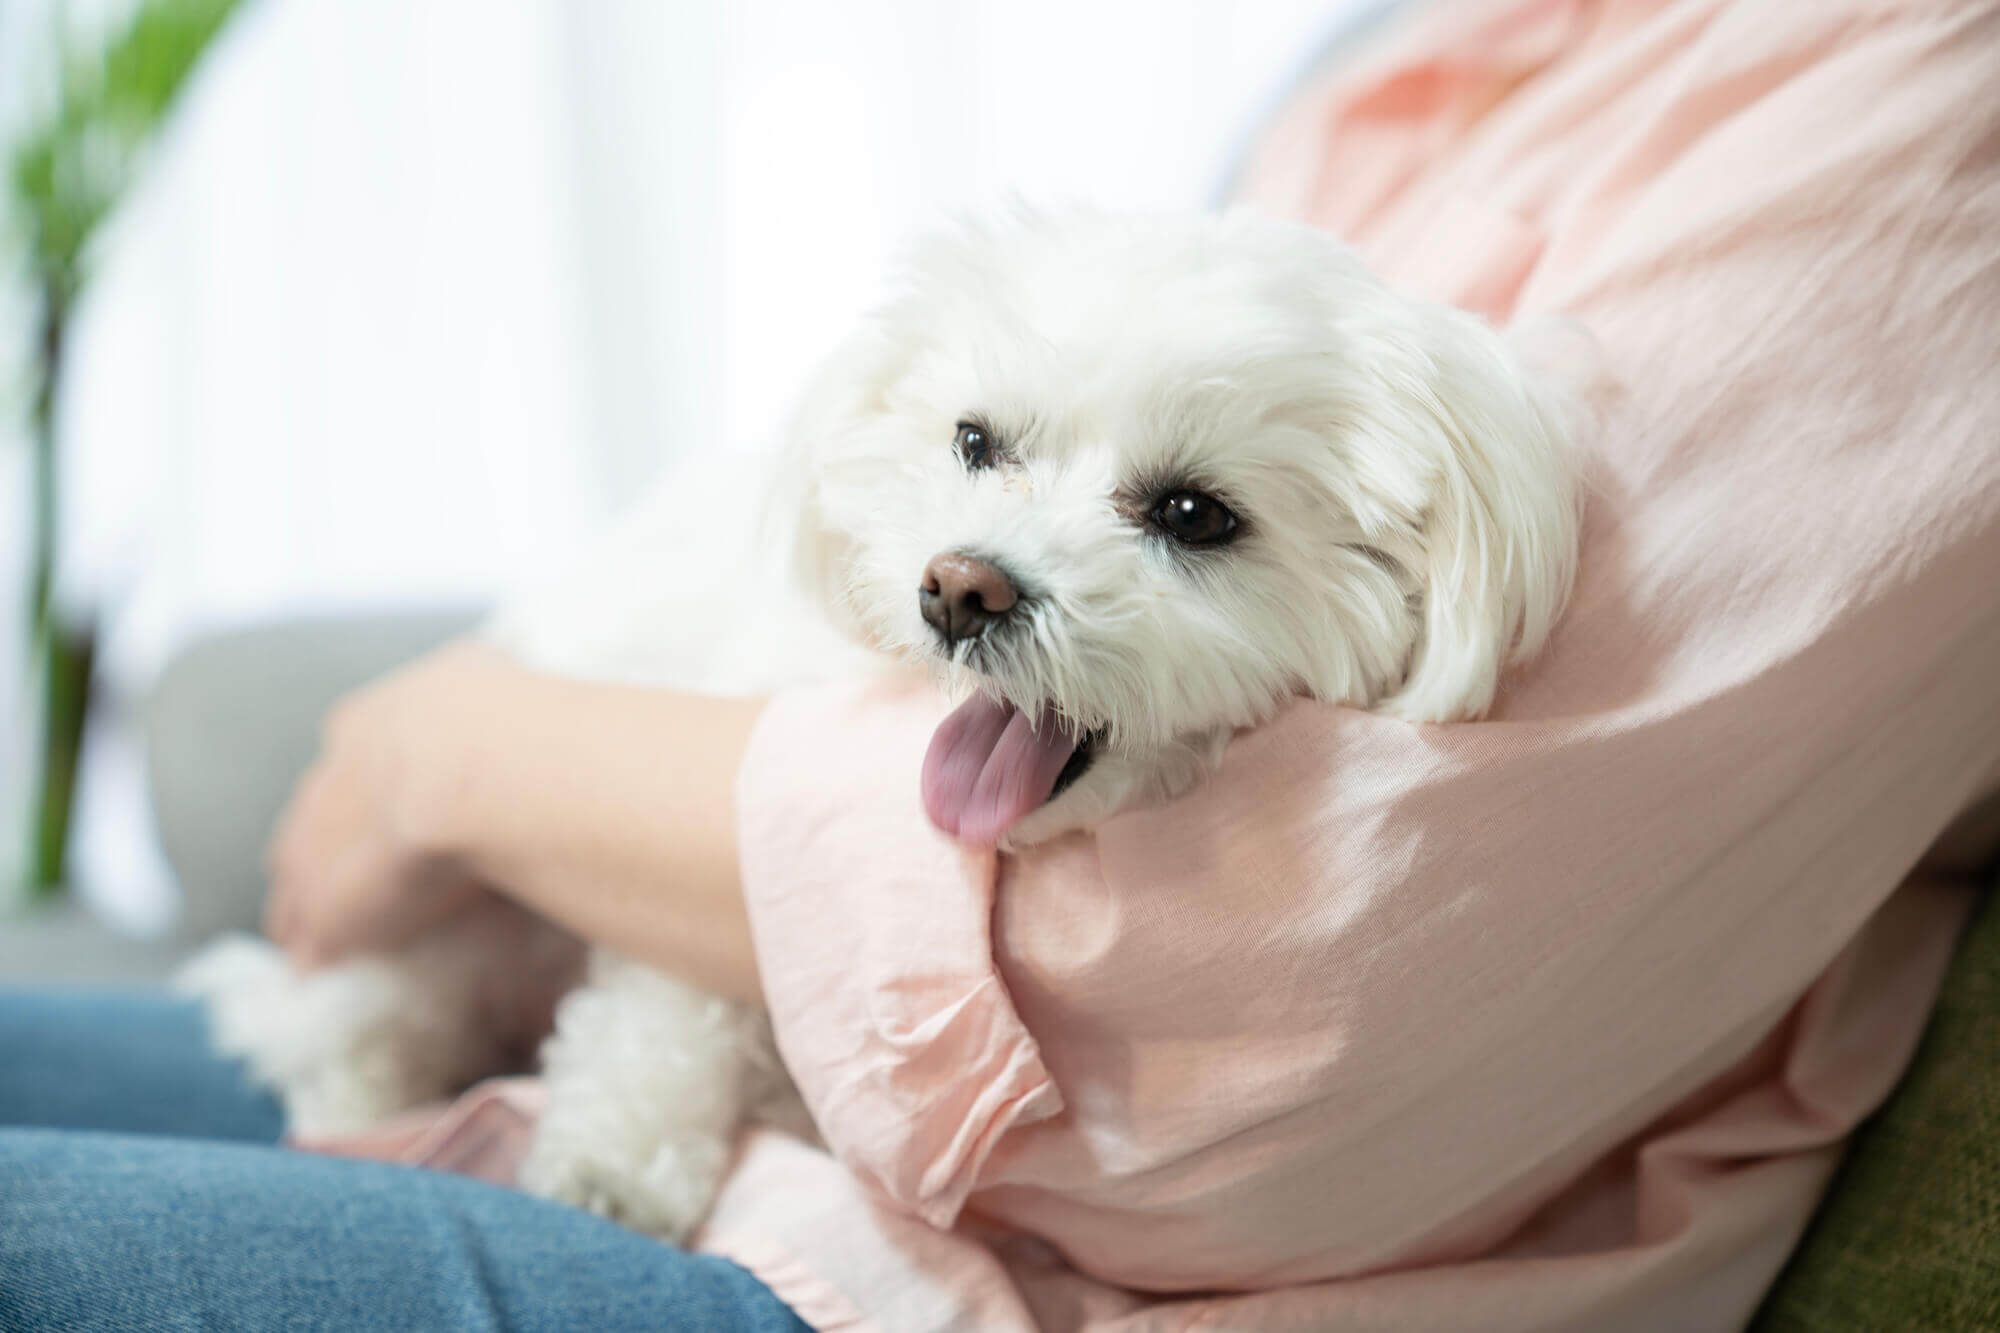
(1194, 519)
(974, 445)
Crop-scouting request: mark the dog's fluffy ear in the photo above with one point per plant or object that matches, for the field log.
(1499, 535)
(847, 394)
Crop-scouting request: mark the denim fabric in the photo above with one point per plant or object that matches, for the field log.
(130, 1061)
(116, 1214)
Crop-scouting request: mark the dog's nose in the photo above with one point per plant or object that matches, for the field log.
(961, 596)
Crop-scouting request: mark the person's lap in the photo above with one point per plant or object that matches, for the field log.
(125, 1204)
(129, 1061)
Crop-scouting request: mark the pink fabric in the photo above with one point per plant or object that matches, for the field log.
(1554, 1021)
(485, 1133)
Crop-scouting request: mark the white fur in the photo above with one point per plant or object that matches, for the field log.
(1409, 525)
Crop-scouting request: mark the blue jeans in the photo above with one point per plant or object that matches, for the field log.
(140, 1189)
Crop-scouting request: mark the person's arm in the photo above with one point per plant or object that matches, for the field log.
(607, 809)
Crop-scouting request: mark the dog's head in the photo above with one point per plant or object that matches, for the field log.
(1141, 479)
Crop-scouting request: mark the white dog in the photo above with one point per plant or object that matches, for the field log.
(1129, 483)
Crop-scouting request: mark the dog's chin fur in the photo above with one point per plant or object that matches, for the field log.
(1407, 519)
(1119, 781)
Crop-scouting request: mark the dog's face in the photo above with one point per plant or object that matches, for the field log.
(1140, 480)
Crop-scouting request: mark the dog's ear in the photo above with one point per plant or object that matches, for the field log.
(846, 394)
(1499, 535)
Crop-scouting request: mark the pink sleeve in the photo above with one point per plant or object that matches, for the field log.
(901, 1038)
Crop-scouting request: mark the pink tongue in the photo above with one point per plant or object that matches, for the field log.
(988, 769)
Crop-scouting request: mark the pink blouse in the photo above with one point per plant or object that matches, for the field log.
(1553, 1021)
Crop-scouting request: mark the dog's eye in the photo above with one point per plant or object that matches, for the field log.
(1194, 519)
(974, 445)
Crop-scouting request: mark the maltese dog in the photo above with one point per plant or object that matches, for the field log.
(1126, 485)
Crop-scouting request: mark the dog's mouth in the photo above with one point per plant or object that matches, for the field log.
(991, 765)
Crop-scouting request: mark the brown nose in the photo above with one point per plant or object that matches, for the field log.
(961, 596)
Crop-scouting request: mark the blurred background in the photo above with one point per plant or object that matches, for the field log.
(323, 313)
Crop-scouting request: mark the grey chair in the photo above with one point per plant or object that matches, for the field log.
(228, 727)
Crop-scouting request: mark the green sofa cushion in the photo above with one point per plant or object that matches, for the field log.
(1909, 1235)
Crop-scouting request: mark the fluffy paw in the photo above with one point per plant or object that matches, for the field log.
(663, 1193)
(343, 1048)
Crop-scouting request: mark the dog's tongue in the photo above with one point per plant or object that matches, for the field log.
(988, 768)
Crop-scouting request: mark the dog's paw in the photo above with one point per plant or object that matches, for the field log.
(663, 1192)
(343, 1048)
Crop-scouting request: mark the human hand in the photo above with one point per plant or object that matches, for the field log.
(356, 861)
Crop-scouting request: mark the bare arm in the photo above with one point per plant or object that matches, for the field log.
(607, 809)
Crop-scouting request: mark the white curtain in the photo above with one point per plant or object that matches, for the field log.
(416, 294)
